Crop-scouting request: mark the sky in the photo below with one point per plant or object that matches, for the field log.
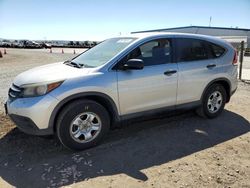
(100, 19)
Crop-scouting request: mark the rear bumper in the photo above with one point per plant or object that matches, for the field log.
(233, 91)
(26, 125)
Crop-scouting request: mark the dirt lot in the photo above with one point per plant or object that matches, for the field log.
(177, 151)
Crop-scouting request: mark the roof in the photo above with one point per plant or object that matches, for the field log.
(144, 35)
(152, 34)
(202, 27)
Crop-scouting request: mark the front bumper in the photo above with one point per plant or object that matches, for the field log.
(31, 115)
(26, 125)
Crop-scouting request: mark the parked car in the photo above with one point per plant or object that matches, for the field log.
(46, 45)
(31, 44)
(5, 44)
(122, 78)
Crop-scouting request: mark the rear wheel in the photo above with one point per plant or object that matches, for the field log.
(82, 124)
(213, 101)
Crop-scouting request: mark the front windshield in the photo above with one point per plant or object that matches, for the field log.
(103, 52)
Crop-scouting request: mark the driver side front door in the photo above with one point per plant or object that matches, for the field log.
(153, 87)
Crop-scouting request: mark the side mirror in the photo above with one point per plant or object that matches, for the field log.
(133, 64)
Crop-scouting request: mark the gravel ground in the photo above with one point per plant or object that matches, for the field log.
(178, 151)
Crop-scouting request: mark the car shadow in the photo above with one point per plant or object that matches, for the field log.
(31, 161)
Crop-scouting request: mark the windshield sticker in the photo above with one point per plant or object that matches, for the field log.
(124, 40)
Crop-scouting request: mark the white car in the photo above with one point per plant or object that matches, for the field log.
(120, 78)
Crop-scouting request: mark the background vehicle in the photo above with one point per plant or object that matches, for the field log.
(31, 44)
(122, 78)
(46, 45)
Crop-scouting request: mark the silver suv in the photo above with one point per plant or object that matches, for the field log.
(124, 77)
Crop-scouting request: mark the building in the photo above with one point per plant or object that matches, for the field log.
(232, 35)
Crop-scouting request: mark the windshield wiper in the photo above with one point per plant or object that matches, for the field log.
(73, 64)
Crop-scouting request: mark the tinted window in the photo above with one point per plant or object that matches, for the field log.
(191, 50)
(217, 51)
(152, 53)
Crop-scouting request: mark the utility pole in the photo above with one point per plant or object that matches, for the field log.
(210, 20)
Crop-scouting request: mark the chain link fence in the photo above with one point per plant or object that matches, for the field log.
(244, 62)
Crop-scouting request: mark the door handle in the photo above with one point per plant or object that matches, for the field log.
(211, 66)
(170, 72)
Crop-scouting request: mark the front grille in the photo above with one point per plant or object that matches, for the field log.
(14, 92)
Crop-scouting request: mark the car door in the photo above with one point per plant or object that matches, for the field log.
(154, 86)
(196, 67)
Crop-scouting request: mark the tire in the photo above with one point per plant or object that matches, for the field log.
(206, 109)
(77, 124)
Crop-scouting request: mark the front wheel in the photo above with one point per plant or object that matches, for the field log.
(213, 102)
(82, 124)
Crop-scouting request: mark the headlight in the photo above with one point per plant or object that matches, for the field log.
(34, 90)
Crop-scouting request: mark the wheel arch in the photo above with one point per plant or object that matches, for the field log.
(222, 81)
(100, 98)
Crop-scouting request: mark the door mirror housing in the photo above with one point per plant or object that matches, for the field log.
(133, 64)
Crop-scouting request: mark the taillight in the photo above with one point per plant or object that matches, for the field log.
(235, 60)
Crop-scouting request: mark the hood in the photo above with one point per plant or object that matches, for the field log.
(49, 73)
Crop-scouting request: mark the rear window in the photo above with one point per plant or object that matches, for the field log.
(191, 50)
(217, 50)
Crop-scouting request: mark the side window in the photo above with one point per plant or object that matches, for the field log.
(217, 50)
(191, 50)
(153, 53)
(147, 49)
